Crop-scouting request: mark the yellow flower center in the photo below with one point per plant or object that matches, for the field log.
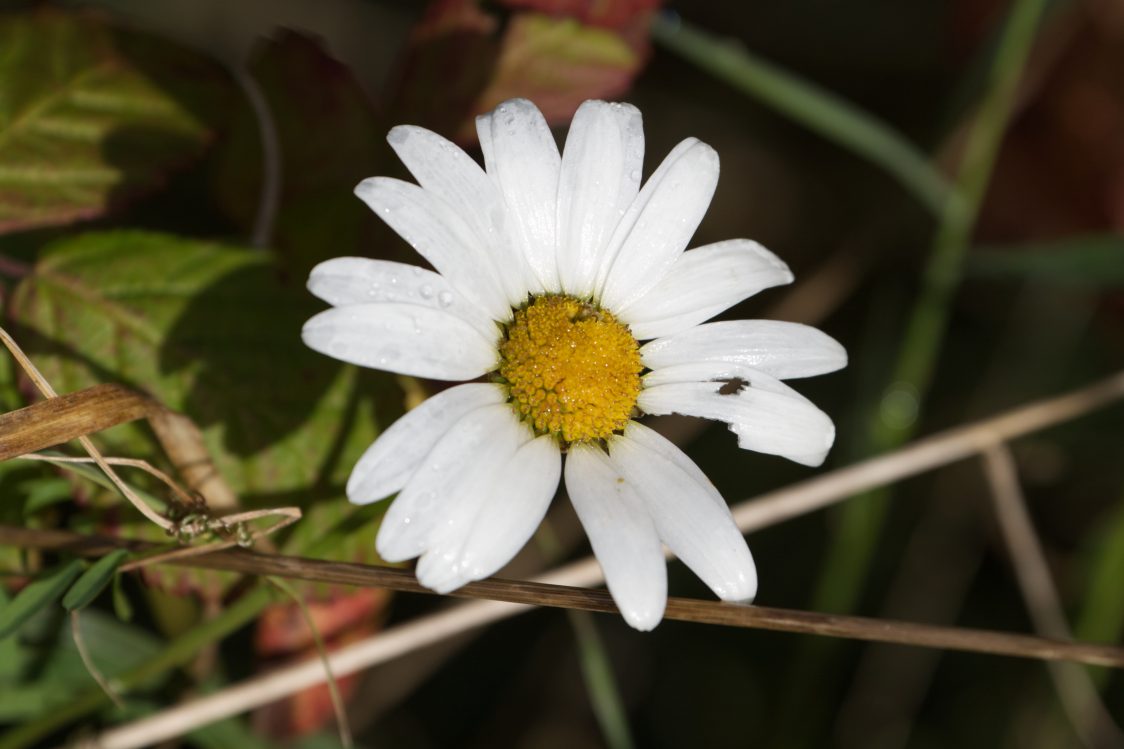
(572, 368)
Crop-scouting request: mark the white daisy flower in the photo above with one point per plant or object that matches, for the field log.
(550, 271)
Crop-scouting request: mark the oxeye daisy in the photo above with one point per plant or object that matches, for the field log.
(563, 298)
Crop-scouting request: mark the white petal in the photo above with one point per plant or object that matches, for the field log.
(446, 171)
(393, 458)
(439, 235)
(687, 510)
(515, 500)
(701, 283)
(621, 533)
(402, 338)
(767, 415)
(600, 178)
(448, 480)
(523, 158)
(345, 281)
(659, 224)
(781, 349)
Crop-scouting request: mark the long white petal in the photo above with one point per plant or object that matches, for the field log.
(402, 338)
(345, 281)
(600, 178)
(701, 283)
(622, 535)
(687, 510)
(523, 158)
(782, 349)
(443, 169)
(393, 458)
(442, 237)
(767, 415)
(660, 223)
(449, 481)
(515, 501)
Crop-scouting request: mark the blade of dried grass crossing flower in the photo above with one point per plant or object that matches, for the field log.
(772, 508)
(1078, 694)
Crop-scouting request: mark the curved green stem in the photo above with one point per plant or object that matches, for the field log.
(815, 108)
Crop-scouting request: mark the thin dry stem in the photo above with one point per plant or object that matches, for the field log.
(1078, 694)
(88, 662)
(769, 509)
(45, 388)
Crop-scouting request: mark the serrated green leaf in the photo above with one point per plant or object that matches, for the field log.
(36, 596)
(91, 116)
(212, 331)
(1092, 261)
(93, 581)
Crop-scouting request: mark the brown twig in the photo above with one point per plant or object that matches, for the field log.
(1078, 694)
(562, 596)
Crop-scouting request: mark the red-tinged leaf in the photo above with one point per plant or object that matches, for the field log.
(91, 116)
(283, 634)
(558, 64)
(462, 62)
(614, 14)
(329, 141)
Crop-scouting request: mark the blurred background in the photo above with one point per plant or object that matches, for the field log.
(944, 177)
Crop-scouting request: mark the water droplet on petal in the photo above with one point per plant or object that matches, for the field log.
(445, 298)
(426, 291)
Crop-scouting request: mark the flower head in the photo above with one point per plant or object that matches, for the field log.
(551, 273)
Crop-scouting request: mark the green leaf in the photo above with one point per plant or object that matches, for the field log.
(1092, 261)
(44, 492)
(94, 580)
(92, 116)
(329, 141)
(214, 332)
(38, 595)
(121, 605)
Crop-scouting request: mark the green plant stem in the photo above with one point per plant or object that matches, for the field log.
(597, 670)
(851, 551)
(1101, 618)
(179, 652)
(817, 109)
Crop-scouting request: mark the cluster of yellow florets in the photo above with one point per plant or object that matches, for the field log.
(573, 370)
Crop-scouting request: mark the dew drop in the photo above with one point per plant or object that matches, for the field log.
(445, 298)
(426, 291)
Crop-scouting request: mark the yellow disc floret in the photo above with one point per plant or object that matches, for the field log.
(573, 370)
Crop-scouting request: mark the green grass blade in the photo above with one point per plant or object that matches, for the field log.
(817, 109)
(94, 580)
(38, 595)
(1096, 260)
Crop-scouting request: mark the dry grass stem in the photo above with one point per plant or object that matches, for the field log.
(924, 454)
(1078, 694)
(539, 593)
(769, 509)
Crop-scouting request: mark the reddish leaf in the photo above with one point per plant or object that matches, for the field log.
(283, 635)
(464, 61)
(614, 14)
